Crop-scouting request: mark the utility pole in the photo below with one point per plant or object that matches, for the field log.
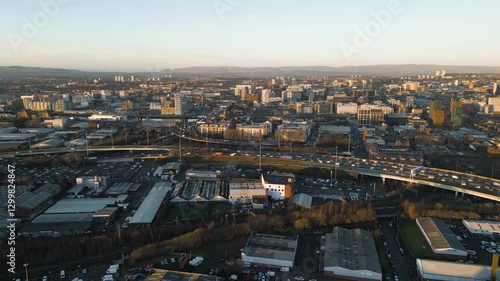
(336, 163)
(260, 153)
(87, 144)
(349, 146)
(180, 148)
(331, 178)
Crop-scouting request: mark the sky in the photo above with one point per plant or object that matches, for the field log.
(150, 35)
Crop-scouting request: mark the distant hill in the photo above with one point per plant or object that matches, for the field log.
(407, 69)
(21, 72)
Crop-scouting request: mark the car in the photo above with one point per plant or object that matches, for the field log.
(300, 278)
(172, 260)
(211, 272)
(45, 278)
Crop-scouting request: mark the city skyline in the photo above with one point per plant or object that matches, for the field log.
(125, 36)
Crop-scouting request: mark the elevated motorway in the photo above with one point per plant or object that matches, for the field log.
(479, 186)
(83, 149)
(223, 142)
(458, 182)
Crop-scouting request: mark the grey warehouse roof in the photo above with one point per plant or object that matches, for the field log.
(151, 204)
(353, 249)
(439, 234)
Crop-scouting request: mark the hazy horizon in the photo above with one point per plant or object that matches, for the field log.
(133, 36)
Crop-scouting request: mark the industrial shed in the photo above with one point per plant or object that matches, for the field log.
(270, 250)
(441, 239)
(431, 270)
(152, 203)
(350, 254)
(482, 227)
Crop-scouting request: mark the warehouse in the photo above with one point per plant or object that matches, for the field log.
(350, 254)
(57, 224)
(441, 239)
(273, 251)
(152, 203)
(431, 270)
(80, 206)
(243, 190)
(482, 227)
(31, 203)
(50, 143)
(301, 199)
(122, 188)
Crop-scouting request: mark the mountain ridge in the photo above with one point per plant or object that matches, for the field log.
(24, 72)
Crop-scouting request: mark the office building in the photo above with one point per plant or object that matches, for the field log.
(179, 104)
(371, 114)
(436, 113)
(455, 114)
(242, 90)
(346, 108)
(128, 105)
(265, 95)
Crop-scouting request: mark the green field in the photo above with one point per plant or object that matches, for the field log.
(416, 241)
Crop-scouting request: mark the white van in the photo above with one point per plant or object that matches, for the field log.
(63, 274)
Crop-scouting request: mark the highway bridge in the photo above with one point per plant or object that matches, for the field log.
(84, 149)
(458, 182)
(479, 186)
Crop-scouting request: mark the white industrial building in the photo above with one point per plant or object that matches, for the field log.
(441, 239)
(482, 227)
(272, 251)
(244, 190)
(350, 254)
(152, 203)
(433, 270)
(278, 187)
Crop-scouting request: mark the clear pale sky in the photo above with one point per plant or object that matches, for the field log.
(148, 35)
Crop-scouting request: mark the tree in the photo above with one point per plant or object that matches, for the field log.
(302, 223)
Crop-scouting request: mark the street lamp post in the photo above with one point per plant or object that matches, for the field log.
(26, 269)
(349, 146)
(336, 163)
(87, 144)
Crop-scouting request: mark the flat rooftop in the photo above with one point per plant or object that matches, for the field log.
(245, 184)
(353, 249)
(85, 205)
(121, 188)
(439, 234)
(62, 218)
(151, 204)
(271, 246)
(488, 227)
(442, 270)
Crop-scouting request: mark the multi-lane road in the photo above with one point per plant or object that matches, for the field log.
(458, 182)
